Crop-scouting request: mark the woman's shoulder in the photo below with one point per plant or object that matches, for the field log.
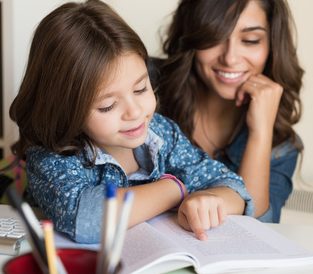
(287, 148)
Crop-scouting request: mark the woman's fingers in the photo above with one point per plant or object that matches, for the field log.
(264, 96)
(257, 84)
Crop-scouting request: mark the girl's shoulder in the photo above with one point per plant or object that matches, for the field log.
(38, 155)
(162, 123)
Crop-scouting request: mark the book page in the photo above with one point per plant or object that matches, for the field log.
(145, 250)
(144, 247)
(241, 240)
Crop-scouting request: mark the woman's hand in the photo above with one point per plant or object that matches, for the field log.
(200, 211)
(264, 100)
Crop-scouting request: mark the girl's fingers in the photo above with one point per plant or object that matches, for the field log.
(196, 226)
(183, 221)
(214, 218)
(221, 214)
(190, 220)
(200, 212)
(204, 217)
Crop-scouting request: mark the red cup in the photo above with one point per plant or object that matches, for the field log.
(75, 261)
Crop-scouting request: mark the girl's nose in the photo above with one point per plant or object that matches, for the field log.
(132, 110)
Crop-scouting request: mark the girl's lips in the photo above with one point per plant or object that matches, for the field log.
(134, 132)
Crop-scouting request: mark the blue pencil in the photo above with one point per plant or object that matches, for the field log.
(108, 226)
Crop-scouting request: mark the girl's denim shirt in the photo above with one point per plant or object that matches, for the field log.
(283, 163)
(72, 194)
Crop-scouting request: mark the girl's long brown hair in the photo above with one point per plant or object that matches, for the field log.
(73, 49)
(205, 23)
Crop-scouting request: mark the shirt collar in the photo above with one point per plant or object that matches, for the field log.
(153, 142)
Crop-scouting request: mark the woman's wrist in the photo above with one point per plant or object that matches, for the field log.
(264, 135)
(180, 184)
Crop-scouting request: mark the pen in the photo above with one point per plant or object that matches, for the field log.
(35, 234)
(120, 232)
(108, 226)
(54, 262)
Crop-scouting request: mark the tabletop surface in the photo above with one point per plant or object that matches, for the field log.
(301, 234)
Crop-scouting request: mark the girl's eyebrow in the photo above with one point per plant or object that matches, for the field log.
(143, 76)
(248, 29)
(110, 94)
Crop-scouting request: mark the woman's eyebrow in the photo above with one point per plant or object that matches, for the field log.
(248, 29)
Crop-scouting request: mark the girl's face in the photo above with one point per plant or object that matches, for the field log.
(228, 65)
(121, 114)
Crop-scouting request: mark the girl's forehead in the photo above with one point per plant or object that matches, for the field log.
(124, 72)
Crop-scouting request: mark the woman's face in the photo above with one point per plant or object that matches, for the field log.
(228, 65)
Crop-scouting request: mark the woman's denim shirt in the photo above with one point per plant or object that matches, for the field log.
(72, 194)
(283, 163)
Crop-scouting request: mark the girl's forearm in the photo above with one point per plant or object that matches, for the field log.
(151, 199)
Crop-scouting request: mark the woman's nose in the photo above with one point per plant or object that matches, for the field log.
(230, 53)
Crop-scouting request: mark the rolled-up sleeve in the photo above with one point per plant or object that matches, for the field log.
(63, 189)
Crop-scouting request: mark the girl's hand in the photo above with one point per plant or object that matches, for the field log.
(264, 95)
(200, 211)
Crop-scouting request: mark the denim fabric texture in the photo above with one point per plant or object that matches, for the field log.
(72, 194)
(283, 163)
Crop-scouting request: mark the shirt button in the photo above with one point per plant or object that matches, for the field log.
(224, 169)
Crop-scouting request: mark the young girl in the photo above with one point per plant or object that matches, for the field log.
(85, 112)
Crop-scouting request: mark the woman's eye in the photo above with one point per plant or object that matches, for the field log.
(251, 42)
(141, 90)
(106, 109)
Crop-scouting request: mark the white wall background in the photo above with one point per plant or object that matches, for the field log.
(20, 18)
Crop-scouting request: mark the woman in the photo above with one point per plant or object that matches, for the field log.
(232, 82)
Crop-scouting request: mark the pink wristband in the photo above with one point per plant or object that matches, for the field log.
(179, 184)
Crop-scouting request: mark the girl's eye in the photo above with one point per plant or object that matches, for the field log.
(141, 90)
(251, 42)
(106, 109)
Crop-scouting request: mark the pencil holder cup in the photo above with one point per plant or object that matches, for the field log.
(75, 261)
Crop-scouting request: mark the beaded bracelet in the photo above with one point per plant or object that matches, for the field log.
(179, 184)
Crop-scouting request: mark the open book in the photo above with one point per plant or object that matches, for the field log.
(240, 243)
